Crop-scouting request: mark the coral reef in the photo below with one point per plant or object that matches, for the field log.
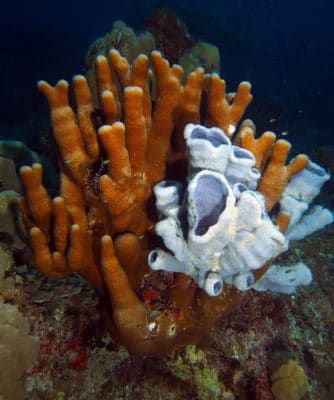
(289, 382)
(192, 367)
(201, 54)
(12, 230)
(8, 177)
(171, 34)
(17, 348)
(125, 40)
(4, 267)
(77, 358)
(101, 224)
(164, 32)
(18, 152)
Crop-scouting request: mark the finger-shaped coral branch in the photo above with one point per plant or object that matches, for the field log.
(131, 326)
(118, 162)
(106, 82)
(66, 130)
(119, 202)
(123, 190)
(61, 224)
(223, 113)
(158, 142)
(121, 67)
(108, 107)
(37, 198)
(277, 173)
(73, 197)
(85, 109)
(188, 110)
(50, 264)
(131, 253)
(135, 128)
(260, 147)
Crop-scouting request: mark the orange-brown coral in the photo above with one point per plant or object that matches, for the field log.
(100, 226)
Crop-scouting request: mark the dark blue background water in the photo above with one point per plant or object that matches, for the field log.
(285, 48)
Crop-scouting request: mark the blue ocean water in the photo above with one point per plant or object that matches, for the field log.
(284, 48)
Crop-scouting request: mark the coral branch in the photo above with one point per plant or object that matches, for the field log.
(133, 128)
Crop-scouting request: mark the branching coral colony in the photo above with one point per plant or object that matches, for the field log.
(218, 226)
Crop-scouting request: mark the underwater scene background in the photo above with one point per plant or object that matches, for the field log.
(63, 338)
